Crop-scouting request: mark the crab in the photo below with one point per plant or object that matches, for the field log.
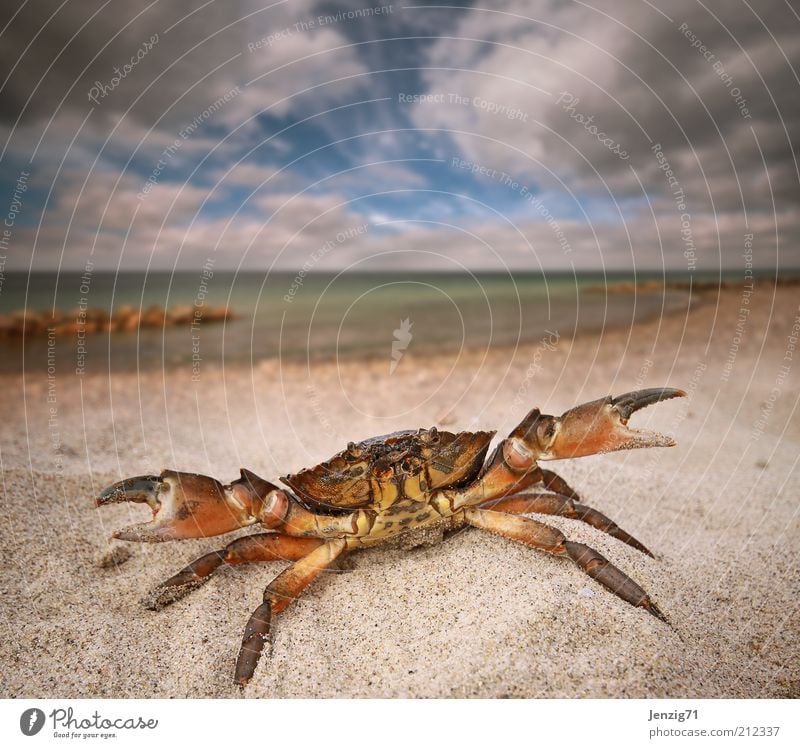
(409, 488)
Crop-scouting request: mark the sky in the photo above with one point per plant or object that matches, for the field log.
(532, 135)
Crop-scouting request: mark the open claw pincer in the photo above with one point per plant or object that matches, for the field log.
(142, 489)
(594, 428)
(184, 505)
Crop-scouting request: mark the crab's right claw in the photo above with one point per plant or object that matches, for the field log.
(589, 429)
(602, 426)
(185, 505)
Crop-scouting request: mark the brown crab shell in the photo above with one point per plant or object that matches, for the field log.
(384, 470)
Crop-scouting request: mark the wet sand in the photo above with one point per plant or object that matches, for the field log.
(475, 616)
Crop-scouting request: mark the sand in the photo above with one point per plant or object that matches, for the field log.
(475, 616)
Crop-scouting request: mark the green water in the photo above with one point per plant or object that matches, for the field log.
(322, 317)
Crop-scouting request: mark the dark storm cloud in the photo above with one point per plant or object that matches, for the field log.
(714, 84)
(639, 78)
(180, 56)
(278, 102)
(58, 51)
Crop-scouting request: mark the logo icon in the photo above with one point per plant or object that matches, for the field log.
(402, 339)
(31, 721)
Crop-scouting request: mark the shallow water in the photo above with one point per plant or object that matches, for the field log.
(321, 317)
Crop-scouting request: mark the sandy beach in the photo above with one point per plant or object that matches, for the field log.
(477, 616)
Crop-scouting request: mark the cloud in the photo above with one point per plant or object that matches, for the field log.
(183, 56)
(68, 61)
(273, 157)
(636, 76)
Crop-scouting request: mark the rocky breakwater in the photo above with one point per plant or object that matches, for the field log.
(80, 322)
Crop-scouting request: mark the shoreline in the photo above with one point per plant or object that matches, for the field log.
(155, 337)
(476, 616)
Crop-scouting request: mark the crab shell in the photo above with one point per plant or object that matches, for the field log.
(385, 470)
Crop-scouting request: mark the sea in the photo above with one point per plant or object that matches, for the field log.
(312, 317)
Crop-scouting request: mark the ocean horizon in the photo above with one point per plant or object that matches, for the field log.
(311, 317)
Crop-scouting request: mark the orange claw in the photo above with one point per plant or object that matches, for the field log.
(187, 505)
(594, 428)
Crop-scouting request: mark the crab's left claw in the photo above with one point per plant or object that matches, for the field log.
(597, 427)
(186, 505)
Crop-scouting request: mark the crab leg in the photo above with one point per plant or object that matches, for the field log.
(249, 549)
(557, 505)
(287, 586)
(549, 539)
(556, 483)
